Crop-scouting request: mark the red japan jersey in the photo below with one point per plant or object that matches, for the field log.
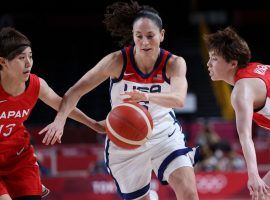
(14, 110)
(261, 71)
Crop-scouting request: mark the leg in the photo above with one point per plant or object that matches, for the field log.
(5, 197)
(131, 171)
(183, 182)
(173, 165)
(25, 179)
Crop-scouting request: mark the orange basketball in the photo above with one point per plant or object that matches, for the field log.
(129, 125)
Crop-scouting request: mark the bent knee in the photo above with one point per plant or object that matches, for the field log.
(183, 177)
(183, 183)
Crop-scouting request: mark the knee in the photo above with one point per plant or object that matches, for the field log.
(190, 193)
(184, 185)
(176, 180)
(184, 189)
(186, 192)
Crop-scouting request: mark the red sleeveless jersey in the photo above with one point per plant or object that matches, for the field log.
(261, 71)
(14, 110)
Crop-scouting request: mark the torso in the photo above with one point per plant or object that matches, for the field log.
(257, 70)
(156, 81)
(14, 110)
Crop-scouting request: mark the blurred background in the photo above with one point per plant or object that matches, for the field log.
(69, 38)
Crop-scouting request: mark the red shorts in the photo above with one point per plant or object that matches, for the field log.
(19, 173)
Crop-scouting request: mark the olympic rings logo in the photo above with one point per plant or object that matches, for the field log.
(211, 183)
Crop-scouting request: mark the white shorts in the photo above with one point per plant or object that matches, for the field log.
(132, 169)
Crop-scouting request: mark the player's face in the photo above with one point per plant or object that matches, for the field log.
(147, 36)
(20, 66)
(217, 66)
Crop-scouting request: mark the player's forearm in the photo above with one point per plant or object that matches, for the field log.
(250, 155)
(79, 116)
(169, 100)
(68, 104)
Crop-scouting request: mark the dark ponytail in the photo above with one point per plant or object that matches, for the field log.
(120, 17)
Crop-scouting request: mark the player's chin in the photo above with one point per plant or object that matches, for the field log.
(26, 76)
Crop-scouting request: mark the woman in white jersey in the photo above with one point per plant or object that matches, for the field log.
(155, 78)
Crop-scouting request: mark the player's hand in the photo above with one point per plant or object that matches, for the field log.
(135, 96)
(53, 132)
(258, 189)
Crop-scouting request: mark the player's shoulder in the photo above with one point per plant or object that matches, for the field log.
(115, 54)
(113, 57)
(111, 64)
(37, 80)
(243, 82)
(176, 60)
(247, 86)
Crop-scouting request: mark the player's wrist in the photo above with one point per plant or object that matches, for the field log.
(146, 96)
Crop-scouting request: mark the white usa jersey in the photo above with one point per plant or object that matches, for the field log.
(132, 78)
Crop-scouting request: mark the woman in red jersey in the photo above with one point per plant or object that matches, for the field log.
(230, 61)
(19, 92)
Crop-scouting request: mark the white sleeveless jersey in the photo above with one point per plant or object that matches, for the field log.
(131, 78)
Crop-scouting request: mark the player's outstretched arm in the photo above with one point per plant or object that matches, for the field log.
(109, 66)
(49, 97)
(242, 100)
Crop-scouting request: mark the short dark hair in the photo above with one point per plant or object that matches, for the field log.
(228, 44)
(12, 43)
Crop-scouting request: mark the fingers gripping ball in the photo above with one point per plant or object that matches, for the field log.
(129, 125)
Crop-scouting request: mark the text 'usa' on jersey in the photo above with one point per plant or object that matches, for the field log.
(132, 78)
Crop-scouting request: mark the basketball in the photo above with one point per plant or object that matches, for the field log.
(129, 125)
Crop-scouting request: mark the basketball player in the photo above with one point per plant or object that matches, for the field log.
(19, 91)
(156, 78)
(229, 61)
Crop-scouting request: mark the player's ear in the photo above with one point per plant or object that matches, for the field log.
(234, 63)
(162, 33)
(2, 62)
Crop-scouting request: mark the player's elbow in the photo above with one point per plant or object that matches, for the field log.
(179, 104)
(179, 101)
